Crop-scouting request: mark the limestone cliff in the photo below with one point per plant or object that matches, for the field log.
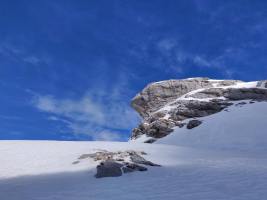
(166, 104)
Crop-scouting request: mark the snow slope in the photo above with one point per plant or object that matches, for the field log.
(43, 170)
(241, 127)
(224, 158)
(22, 158)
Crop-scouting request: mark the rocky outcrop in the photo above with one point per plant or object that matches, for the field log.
(111, 168)
(158, 94)
(262, 84)
(157, 129)
(184, 109)
(113, 164)
(232, 93)
(166, 105)
(193, 123)
(137, 159)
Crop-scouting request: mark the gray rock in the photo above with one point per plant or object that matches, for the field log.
(109, 168)
(240, 104)
(156, 95)
(227, 82)
(245, 93)
(84, 156)
(156, 129)
(135, 158)
(193, 123)
(232, 93)
(100, 155)
(192, 108)
(150, 141)
(132, 167)
(159, 121)
(160, 128)
(113, 163)
(183, 109)
(207, 93)
(137, 132)
(262, 84)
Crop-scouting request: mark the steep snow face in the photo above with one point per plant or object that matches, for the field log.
(169, 105)
(240, 127)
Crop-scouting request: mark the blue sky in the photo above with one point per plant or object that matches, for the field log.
(68, 69)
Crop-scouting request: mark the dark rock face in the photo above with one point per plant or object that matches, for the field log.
(150, 141)
(140, 160)
(182, 110)
(131, 167)
(193, 123)
(193, 108)
(157, 129)
(246, 93)
(108, 168)
(232, 93)
(165, 105)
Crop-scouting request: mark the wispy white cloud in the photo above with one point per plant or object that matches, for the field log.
(166, 44)
(7, 49)
(99, 113)
(201, 61)
(107, 135)
(32, 60)
(15, 52)
(81, 110)
(170, 55)
(7, 117)
(177, 58)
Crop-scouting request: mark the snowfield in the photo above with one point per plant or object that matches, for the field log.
(222, 159)
(241, 127)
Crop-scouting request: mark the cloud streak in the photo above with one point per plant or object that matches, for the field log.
(99, 114)
(21, 54)
(81, 110)
(177, 58)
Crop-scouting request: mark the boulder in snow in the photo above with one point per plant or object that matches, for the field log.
(193, 123)
(108, 168)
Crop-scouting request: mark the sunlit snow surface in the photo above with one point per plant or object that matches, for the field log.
(223, 158)
(237, 128)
